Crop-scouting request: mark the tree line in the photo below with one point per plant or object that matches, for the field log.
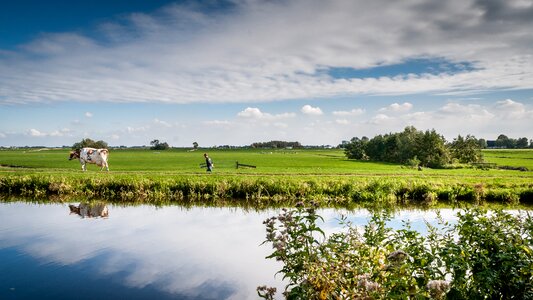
(276, 144)
(414, 147)
(509, 143)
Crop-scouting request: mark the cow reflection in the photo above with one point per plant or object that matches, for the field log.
(90, 210)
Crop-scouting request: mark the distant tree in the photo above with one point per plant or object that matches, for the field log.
(157, 145)
(356, 148)
(482, 143)
(502, 141)
(505, 142)
(195, 145)
(522, 143)
(277, 144)
(343, 144)
(466, 149)
(89, 143)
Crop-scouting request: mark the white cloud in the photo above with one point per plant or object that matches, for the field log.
(256, 113)
(456, 108)
(396, 107)
(513, 110)
(218, 123)
(380, 118)
(35, 133)
(89, 114)
(254, 53)
(353, 112)
(130, 129)
(2, 135)
(56, 133)
(310, 110)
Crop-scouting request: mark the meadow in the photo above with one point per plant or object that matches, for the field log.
(280, 177)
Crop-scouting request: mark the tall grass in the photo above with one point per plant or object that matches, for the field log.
(327, 191)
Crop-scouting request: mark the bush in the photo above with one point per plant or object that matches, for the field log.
(486, 255)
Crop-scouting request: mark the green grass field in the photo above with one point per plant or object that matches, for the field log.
(318, 174)
(295, 162)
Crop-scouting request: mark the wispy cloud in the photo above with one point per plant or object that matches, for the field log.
(353, 112)
(253, 52)
(342, 121)
(56, 133)
(162, 123)
(89, 114)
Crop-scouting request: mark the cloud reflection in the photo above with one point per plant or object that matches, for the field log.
(202, 253)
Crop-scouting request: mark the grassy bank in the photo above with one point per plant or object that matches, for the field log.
(281, 177)
(328, 191)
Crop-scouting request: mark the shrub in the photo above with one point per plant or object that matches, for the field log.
(486, 255)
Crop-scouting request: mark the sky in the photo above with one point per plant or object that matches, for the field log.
(236, 72)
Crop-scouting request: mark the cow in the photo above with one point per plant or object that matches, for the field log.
(93, 210)
(91, 156)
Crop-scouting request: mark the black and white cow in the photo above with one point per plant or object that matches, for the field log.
(91, 156)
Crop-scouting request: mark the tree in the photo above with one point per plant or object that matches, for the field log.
(482, 143)
(429, 148)
(90, 143)
(157, 145)
(504, 142)
(356, 148)
(522, 143)
(466, 150)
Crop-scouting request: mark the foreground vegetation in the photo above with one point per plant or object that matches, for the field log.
(483, 256)
(280, 177)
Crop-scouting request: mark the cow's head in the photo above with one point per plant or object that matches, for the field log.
(74, 154)
(74, 209)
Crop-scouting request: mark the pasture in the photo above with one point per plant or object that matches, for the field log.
(324, 175)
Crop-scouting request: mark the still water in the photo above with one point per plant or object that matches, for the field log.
(144, 252)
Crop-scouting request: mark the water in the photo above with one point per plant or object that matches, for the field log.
(145, 252)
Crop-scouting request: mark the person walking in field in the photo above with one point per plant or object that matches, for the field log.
(209, 163)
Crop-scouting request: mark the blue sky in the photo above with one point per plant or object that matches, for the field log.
(242, 71)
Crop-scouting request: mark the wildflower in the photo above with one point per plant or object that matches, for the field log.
(438, 288)
(398, 256)
(266, 292)
(366, 284)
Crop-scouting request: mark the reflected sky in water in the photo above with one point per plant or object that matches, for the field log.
(145, 252)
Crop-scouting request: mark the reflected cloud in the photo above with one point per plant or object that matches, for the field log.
(197, 253)
(187, 252)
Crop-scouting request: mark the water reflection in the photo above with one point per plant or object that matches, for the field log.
(90, 210)
(145, 252)
(199, 253)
